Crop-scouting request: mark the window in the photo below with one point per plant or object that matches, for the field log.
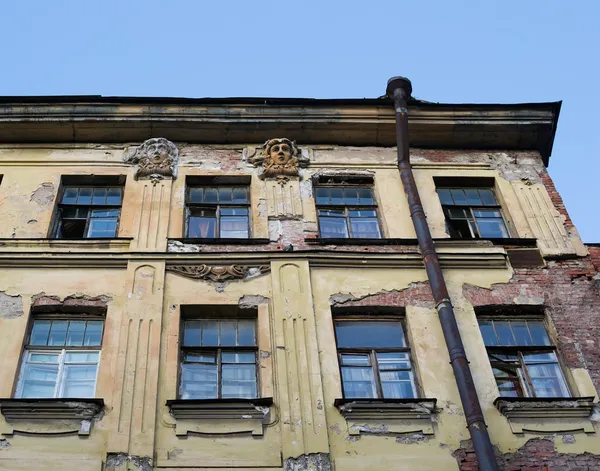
(347, 211)
(61, 359)
(523, 358)
(89, 212)
(218, 359)
(217, 212)
(472, 213)
(374, 359)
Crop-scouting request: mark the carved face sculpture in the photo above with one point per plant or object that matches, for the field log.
(281, 153)
(158, 154)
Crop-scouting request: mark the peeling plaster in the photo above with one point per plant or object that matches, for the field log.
(11, 306)
(407, 438)
(43, 195)
(250, 301)
(309, 462)
(4, 444)
(139, 463)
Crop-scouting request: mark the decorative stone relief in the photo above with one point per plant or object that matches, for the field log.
(156, 159)
(280, 160)
(218, 274)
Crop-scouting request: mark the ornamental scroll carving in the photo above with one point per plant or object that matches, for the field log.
(156, 159)
(219, 274)
(280, 159)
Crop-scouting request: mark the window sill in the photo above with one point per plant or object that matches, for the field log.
(555, 414)
(223, 241)
(68, 414)
(219, 416)
(356, 241)
(382, 416)
(122, 243)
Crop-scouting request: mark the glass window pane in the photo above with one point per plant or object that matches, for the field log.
(504, 332)
(198, 381)
(473, 197)
(338, 213)
(228, 333)
(487, 332)
(225, 195)
(99, 196)
(195, 195)
(458, 196)
(39, 332)
(458, 213)
(337, 195)
(508, 383)
(365, 196)
(240, 195)
(43, 357)
(238, 381)
(333, 227)
(445, 196)
(358, 382)
(487, 213)
(238, 357)
(538, 333)
(81, 357)
(39, 381)
(210, 333)
(192, 333)
(58, 333)
(79, 381)
(113, 196)
(492, 228)
(70, 195)
(201, 357)
(103, 213)
(355, 360)
(397, 384)
(85, 196)
(202, 224)
(246, 335)
(521, 333)
(103, 227)
(75, 333)
(365, 228)
(93, 333)
(351, 196)
(393, 361)
(487, 197)
(211, 195)
(234, 227)
(322, 195)
(369, 334)
(233, 211)
(547, 380)
(363, 213)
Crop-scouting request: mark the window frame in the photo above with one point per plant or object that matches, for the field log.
(372, 354)
(347, 208)
(56, 229)
(471, 208)
(62, 350)
(189, 206)
(218, 351)
(525, 384)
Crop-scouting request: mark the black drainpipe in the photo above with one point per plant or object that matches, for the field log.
(399, 89)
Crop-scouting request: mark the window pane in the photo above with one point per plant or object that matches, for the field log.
(393, 361)
(322, 195)
(70, 196)
(458, 196)
(504, 332)
(362, 213)
(99, 196)
(210, 195)
(487, 332)
(195, 195)
(538, 333)
(58, 333)
(79, 381)
(246, 333)
(202, 224)
(103, 227)
(333, 227)
(239, 381)
(75, 333)
(337, 195)
(103, 213)
(39, 332)
(473, 197)
(351, 196)
(487, 197)
(235, 227)
(85, 196)
(365, 196)
(369, 334)
(210, 333)
(201, 358)
(458, 213)
(240, 195)
(547, 380)
(365, 228)
(81, 357)
(397, 384)
(44, 357)
(228, 333)
(71, 229)
(198, 381)
(521, 333)
(192, 334)
(238, 357)
(93, 333)
(487, 213)
(113, 196)
(225, 195)
(39, 381)
(445, 197)
(358, 382)
(492, 228)
(355, 360)
(508, 383)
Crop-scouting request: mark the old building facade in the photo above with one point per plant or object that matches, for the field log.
(237, 284)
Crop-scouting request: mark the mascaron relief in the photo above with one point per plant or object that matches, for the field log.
(219, 274)
(156, 159)
(280, 160)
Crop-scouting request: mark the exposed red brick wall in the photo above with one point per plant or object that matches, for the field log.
(556, 199)
(536, 455)
(417, 294)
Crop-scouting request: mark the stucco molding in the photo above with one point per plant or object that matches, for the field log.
(219, 273)
(156, 159)
(278, 158)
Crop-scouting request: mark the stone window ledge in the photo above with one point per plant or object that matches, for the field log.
(555, 414)
(115, 243)
(220, 416)
(50, 416)
(383, 416)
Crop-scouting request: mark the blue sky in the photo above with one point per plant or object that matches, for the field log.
(453, 51)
